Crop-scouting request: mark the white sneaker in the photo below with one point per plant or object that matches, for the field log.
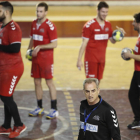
(52, 114)
(37, 111)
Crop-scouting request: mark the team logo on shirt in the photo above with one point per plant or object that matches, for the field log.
(114, 118)
(107, 29)
(42, 30)
(96, 117)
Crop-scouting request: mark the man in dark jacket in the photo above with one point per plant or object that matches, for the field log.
(98, 119)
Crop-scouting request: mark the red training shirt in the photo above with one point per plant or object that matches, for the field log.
(98, 39)
(42, 34)
(10, 34)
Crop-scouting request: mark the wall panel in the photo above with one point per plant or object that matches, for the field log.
(74, 28)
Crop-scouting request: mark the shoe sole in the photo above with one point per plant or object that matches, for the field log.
(49, 118)
(20, 132)
(136, 127)
(23, 129)
(31, 115)
(5, 133)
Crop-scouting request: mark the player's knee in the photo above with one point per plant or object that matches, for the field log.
(37, 81)
(49, 82)
(7, 100)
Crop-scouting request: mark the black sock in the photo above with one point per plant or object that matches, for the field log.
(39, 103)
(54, 104)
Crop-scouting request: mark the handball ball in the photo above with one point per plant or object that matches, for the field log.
(117, 35)
(29, 54)
(124, 51)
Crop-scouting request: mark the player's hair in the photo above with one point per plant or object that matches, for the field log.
(137, 17)
(7, 5)
(43, 4)
(102, 4)
(91, 80)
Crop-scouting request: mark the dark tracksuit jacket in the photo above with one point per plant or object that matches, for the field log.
(102, 124)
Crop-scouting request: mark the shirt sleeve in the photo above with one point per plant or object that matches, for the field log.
(86, 32)
(31, 32)
(113, 125)
(52, 31)
(15, 35)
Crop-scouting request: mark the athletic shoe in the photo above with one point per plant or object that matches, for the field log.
(5, 131)
(17, 131)
(134, 125)
(37, 111)
(52, 114)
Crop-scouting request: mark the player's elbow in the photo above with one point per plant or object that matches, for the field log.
(54, 44)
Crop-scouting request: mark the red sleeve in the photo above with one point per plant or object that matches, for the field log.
(15, 35)
(31, 32)
(86, 31)
(52, 31)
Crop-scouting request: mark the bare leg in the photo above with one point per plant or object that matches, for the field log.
(38, 88)
(52, 89)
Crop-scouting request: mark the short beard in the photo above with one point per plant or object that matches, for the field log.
(2, 18)
(100, 17)
(137, 29)
(40, 18)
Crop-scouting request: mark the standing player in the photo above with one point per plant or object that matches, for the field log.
(44, 40)
(134, 91)
(96, 33)
(98, 119)
(11, 69)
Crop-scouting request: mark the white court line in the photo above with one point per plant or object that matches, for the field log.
(65, 124)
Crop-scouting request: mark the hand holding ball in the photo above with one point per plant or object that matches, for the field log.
(117, 35)
(125, 50)
(29, 54)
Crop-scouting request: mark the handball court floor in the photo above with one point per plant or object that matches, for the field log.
(68, 80)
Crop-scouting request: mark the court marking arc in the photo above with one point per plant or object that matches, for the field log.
(65, 124)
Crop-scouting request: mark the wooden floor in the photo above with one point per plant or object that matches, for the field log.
(117, 74)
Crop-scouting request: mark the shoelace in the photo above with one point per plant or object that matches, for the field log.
(36, 110)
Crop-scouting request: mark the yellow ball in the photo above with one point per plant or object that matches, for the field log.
(29, 54)
(117, 35)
